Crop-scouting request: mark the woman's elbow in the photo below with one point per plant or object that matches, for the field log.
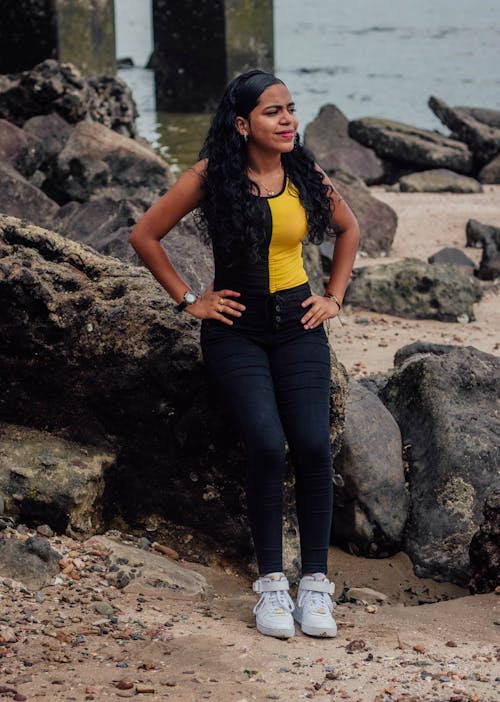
(133, 238)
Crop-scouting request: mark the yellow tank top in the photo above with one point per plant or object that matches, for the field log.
(289, 229)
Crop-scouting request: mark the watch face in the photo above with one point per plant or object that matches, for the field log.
(190, 297)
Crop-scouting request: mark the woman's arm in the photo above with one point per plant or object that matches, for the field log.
(162, 216)
(344, 254)
(183, 197)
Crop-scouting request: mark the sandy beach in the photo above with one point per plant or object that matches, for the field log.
(427, 222)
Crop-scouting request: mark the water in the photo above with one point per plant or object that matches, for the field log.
(369, 57)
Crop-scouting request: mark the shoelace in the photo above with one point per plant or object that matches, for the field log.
(279, 599)
(316, 600)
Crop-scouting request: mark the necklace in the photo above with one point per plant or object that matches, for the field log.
(270, 193)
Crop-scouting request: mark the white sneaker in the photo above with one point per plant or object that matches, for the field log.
(314, 606)
(273, 610)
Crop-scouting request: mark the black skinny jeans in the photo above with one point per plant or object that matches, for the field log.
(275, 378)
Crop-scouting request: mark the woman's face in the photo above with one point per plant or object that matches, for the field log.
(272, 124)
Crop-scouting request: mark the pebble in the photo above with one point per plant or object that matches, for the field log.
(103, 608)
(141, 688)
(166, 550)
(44, 530)
(124, 684)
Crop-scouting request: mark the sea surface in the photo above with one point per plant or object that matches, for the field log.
(369, 57)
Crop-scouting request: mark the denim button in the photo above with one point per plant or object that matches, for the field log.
(278, 308)
(278, 318)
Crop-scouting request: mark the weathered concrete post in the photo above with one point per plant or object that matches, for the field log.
(201, 44)
(79, 31)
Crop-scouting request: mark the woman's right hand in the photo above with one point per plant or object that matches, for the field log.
(213, 304)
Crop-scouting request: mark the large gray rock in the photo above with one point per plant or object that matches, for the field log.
(488, 238)
(484, 549)
(327, 137)
(106, 224)
(453, 256)
(411, 146)
(415, 289)
(32, 562)
(50, 480)
(52, 132)
(98, 162)
(482, 114)
(90, 222)
(19, 149)
(447, 407)
(19, 198)
(52, 86)
(125, 563)
(491, 172)
(439, 180)
(482, 139)
(377, 220)
(93, 347)
(371, 506)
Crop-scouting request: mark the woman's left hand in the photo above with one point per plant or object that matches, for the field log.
(320, 308)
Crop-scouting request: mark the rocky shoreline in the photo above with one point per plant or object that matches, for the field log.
(108, 423)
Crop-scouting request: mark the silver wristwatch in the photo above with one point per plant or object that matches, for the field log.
(189, 299)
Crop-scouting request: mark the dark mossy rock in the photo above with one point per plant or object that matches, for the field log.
(52, 86)
(491, 172)
(414, 289)
(487, 237)
(46, 479)
(411, 146)
(484, 550)
(371, 503)
(453, 256)
(439, 180)
(98, 162)
(446, 405)
(20, 198)
(32, 562)
(377, 220)
(483, 139)
(327, 137)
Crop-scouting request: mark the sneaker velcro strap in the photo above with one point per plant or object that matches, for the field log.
(270, 585)
(320, 586)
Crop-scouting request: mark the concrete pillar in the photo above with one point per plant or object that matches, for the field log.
(201, 44)
(79, 31)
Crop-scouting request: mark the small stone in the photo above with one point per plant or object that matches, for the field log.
(419, 648)
(366, 595)
(44, 530)
(7, 635)
(103, 608)
(355, 645)
(124, 684)
(142, 688)
(50, 632)
(166, 550)
(452, 644)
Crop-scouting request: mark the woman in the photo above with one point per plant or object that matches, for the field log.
(259, 195)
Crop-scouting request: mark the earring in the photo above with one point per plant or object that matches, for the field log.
(245, 136)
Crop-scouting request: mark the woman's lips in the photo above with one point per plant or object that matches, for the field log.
(286, 135)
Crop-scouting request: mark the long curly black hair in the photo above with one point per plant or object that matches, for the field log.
(229, 214)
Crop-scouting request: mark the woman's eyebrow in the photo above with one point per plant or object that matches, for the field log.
(267, 107)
